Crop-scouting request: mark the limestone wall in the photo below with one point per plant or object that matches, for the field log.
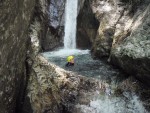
(123, 35)
(15, 17)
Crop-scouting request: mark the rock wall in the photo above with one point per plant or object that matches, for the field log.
(54, 34)
(123, 35)
(87, 26)
(109, 14)
(15, 18)
(133, 54)
(39, 26)
(55, 31)
(48, 24)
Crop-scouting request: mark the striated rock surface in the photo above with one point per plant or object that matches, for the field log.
(114, 21)
(39, 26)
(87, 26)
(133, 54)
(51, 89)
(123, 35)
(15, 17)
(55, 32)
(48, 24)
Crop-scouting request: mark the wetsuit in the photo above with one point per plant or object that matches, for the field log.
(70, 61)
(69, 64)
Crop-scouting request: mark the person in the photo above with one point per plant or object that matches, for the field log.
(70, 61)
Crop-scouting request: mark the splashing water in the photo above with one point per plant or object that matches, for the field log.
(102, 101)
(65, 53)
(130, 104)
(70, 24)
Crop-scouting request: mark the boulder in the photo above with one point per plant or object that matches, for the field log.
(52, 89)
(123, 35)
(109, 14)
(133, 54)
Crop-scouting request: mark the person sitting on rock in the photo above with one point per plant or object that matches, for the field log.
(70, 61)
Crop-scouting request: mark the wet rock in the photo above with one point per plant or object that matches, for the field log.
(109, 15)
(39, 26)
(123, 35)
(116, 19)
(87, 26)
(55, 32)
(80, 5)
(131, 84)
(50, 16)
(133, 54)
(53, 89)
(48, 24)
(56, 13)
(15, 19)
(56, 21)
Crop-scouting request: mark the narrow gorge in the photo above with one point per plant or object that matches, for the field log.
(110, 43)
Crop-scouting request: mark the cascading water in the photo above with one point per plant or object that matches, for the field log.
(70, 31)
(70, 24)
(104, 100)
(86, 66)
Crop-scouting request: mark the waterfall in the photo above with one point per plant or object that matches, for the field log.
(70, 24)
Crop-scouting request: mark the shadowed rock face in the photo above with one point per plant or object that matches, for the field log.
(39, 26)
(15, 18)
(55, 31)
(48, 24)
(123, 35)
(133, 55)
(112, 15)
(117, 19)
(54, 26)
(51, 89)
(87, 26)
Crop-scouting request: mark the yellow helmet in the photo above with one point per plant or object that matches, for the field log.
(69, 58)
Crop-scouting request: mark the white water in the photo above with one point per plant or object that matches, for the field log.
(70, 24)
(107, 104)
(70, 33)
(65, 53)
(130, 104)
